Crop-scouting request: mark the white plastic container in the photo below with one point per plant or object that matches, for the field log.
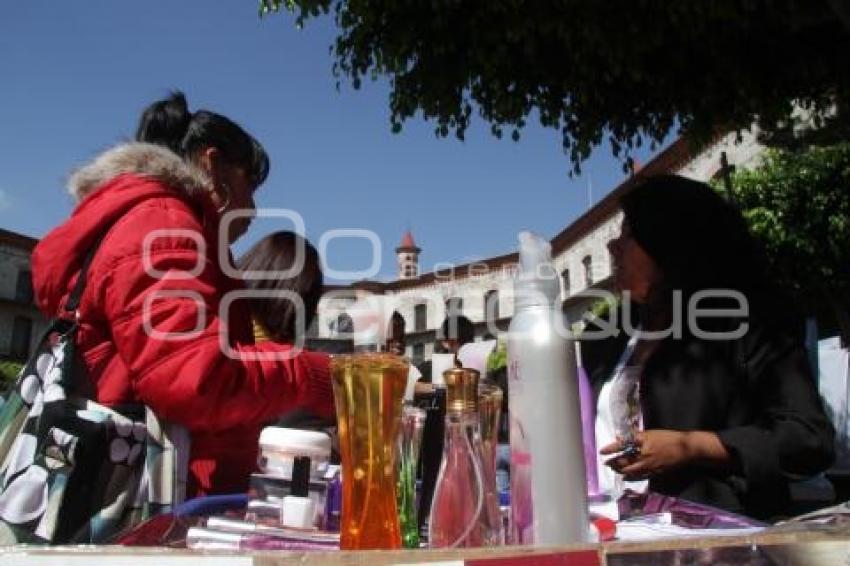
(548, 485)
(280, 446)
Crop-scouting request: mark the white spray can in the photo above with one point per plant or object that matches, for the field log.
(548, 485)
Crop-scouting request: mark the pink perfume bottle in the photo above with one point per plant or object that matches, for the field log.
(459, 516)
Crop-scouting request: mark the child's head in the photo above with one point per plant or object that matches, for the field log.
(278, 252)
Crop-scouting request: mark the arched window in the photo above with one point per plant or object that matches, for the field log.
(565, 277)
(420, 317)
(23, 287)
(491, 305)
(587, 262)
(396, 328)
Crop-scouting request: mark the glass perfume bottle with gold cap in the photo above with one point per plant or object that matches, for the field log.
(459, 516)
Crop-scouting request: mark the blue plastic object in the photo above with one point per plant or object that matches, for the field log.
(212, 505)
(504, 498)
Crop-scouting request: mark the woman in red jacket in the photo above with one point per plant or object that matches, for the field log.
(160, 323)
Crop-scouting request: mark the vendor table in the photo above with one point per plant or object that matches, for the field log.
(784, 545)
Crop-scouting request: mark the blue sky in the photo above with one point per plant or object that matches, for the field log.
(74, 77)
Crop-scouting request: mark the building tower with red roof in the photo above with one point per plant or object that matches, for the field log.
(408, 257)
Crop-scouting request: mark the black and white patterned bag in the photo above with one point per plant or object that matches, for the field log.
(72, 470)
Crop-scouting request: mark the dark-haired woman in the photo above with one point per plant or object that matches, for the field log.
(159, 324)
(291, 289)
(729, 408)
(280, 317)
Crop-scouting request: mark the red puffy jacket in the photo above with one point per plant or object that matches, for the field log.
(151, 327)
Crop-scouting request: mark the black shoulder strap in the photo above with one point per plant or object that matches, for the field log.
(74, 298)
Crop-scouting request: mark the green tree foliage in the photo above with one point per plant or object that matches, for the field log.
(798, 204)
(621, 70)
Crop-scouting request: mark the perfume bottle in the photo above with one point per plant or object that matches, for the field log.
(410, 438)
(490, 408)
(431, 450)
(458, 514)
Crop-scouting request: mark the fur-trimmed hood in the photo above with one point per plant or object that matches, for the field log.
(106, 191)
(143, 159)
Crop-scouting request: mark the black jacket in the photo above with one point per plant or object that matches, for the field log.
(756, 392)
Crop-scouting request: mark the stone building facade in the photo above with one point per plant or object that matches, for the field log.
(483, 290)
(21, 323)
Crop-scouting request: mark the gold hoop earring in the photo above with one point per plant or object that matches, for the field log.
(226, 188)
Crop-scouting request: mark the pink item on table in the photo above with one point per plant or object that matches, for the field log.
(588, 432)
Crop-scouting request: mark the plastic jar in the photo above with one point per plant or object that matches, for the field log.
(279, 447)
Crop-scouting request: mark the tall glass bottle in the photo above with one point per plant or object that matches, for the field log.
(368, 390)
(431, 451)
(458, 515)
(490, 409)
(409, 440)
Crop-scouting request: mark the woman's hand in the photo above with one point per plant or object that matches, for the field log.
(660, 451)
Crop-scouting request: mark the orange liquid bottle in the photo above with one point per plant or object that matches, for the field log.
(368, 390)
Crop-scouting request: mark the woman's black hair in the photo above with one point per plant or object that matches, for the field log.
(169, 123)
(277, 252)
(457, 327)
(698, 240)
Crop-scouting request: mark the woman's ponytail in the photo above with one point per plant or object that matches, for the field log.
(169, 123)
(165, 122)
